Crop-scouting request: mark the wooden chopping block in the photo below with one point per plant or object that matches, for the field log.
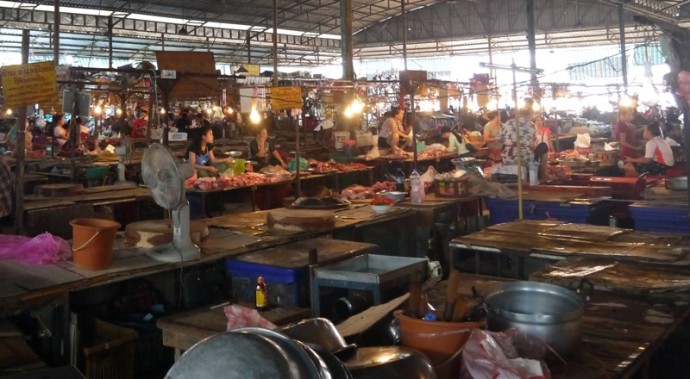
(300, 220)
(58, 189)
(147, 234)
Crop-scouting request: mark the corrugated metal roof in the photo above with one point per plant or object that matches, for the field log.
(317, 16)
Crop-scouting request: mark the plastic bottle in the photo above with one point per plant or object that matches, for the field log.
(533, 173)
(400, 180)
(261, 294)
(416, 187)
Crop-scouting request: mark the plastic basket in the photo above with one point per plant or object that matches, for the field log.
(108, 349)
(96, 172)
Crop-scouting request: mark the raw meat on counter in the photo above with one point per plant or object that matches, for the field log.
(432, 152)
(246, 179)
(358, 191)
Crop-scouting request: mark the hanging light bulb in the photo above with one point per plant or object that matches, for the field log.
(357, 105)
(162, 110)
(254, 115)
(348, 112)
(536, 107)
(97, 110)
(230, 110)
(118, 111)
(209, 110)
(9, 112)
(626, 101)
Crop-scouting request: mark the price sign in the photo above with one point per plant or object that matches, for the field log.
(28, 84)
(286, 97)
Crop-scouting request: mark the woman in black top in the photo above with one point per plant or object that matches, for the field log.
(263, 151)
(200, 153)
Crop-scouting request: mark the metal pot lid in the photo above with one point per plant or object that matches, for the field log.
(253, 355)
(329, 366)
(534, 302)
(318, 330)
(390, 362)
(303, 362)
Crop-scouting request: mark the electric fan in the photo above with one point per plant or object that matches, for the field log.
(165, 176)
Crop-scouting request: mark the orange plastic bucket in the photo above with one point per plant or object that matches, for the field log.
(441, 341)
(92, 242)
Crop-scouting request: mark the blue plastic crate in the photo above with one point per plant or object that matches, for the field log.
(584, 212)
(286, 287)
(660, 217)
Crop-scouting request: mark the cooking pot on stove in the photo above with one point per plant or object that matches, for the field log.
(549, 312)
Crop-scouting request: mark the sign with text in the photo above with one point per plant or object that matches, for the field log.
(286, 97)
(28, 84)
(252, 69)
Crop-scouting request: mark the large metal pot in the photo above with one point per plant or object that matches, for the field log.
(549, 312)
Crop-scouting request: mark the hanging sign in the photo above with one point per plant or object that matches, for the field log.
(29, 84)
(286, 97)
(252, 69)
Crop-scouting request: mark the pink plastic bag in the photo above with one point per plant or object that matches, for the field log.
(491, 355)
(42, 249)
(242, 317)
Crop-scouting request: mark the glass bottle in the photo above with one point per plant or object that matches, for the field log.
(261, 295)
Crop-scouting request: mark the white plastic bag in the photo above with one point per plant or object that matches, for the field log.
(583, 141)
(373, 153)
(484, 357)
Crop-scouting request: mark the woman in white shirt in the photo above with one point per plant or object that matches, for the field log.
(658, 156)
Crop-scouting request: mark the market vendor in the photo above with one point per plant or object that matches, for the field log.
(200, 153)
(60, 132)
(456, 143)
(392, 133)
(491, 130)
(262, 150)
(625, 134)
(657, 158)
(508, 136)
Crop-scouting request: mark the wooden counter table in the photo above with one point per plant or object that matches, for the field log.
(620, 332)
(182, 331)
(25, 285)
(557, 240)
(305, 177)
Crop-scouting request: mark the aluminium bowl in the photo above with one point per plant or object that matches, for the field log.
(396, 196)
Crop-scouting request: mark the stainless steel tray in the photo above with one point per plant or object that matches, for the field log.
(371, 268)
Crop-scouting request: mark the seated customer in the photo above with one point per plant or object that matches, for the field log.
(657, 158)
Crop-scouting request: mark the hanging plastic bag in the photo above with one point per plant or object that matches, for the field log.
(42, 249)
(242, 317)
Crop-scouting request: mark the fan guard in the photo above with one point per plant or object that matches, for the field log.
(165, 177)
